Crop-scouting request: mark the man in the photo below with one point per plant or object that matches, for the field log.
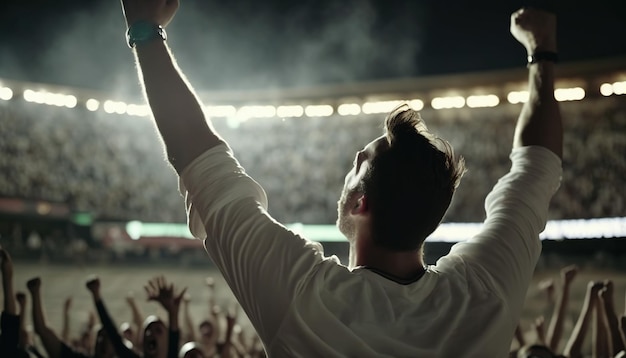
(387, 303)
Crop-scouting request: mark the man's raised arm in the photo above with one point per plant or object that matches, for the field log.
(508, 246)
(539, 122)
(176, 109)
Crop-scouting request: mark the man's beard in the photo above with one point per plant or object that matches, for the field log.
(344, 205)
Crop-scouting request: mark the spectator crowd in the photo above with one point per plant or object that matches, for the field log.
(113, 166)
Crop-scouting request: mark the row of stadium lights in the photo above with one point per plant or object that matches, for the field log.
(323, 110)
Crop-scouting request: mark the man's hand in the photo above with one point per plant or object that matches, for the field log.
(568, 274)
(93, 285)
(130, 298)
(34, 285)
(67, 305)
(158, 290)
(535, 29)
(21, 299)
(159, 12)
(6, 265)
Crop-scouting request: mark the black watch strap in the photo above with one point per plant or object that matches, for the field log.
(543, 56)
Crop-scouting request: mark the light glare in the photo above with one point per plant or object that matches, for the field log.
(448, 102)
(380, 107)
(92, 104)
(115, 107)
(606, 89)
(569, 94)
(140, 110)
(479, 101)
(321, 110)
(289, 111)
(515, 97)
(29, 95)
(349, 109)
(246, 112)
(221, 111)
(619, 87)
(70, 101)
(416, 104)
(6, 93)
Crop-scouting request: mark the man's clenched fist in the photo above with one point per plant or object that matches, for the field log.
(535, 29)
(159, 12)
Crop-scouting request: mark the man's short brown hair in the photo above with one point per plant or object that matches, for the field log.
(410, 182)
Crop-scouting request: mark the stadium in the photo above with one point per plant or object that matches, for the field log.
(86, 181)
(87, 189)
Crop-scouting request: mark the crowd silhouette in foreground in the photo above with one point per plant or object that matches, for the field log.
(600, 330)
(218, 335)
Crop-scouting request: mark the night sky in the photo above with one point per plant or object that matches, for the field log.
(242, 44)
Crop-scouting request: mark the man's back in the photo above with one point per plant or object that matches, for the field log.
(448, 312)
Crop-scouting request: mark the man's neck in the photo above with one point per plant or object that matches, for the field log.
(400, 264)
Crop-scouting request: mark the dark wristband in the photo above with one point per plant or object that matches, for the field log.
(543, 56)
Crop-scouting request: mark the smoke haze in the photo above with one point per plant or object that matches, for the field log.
(227, 46)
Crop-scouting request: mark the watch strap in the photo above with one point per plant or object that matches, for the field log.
(143, 32)
(543, 56)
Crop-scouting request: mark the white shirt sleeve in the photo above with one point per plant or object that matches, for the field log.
(264, 263)
(507, 248)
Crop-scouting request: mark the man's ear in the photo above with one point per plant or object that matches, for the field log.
(361, 206)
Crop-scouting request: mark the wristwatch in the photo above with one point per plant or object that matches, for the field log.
(144, 31)
(542, 56)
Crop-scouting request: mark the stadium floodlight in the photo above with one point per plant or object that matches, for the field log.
(619, 87)
(29, 95)
(416, 104)
(132, 110)
(139, 110)
(319, 110)
(349, 109)
(569, 94)
(380, 107)
(51, 99)
(40, 97)
(115, 107)
(70, 101)
(447, 102)
(606, 89)
(120, 107)
(6, 93)
(479, 101)
(515, 97)
(289, 111)
(246, 112)
(221, 111)
(92, 104)
(109, 106)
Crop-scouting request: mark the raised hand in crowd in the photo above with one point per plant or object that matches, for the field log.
(23, 343)
(53, 345)
(159, 290)
(137, 319)
(67, 307)
(109, 329)
(9, 322)
(555, 330)
(189, 333)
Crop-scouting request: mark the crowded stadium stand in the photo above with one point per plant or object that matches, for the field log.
(85, 183)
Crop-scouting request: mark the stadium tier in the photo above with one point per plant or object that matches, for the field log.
(100, 158)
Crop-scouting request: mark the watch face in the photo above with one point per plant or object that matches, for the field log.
(144, 31)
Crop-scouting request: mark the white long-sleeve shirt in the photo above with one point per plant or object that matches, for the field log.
(304, 304)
